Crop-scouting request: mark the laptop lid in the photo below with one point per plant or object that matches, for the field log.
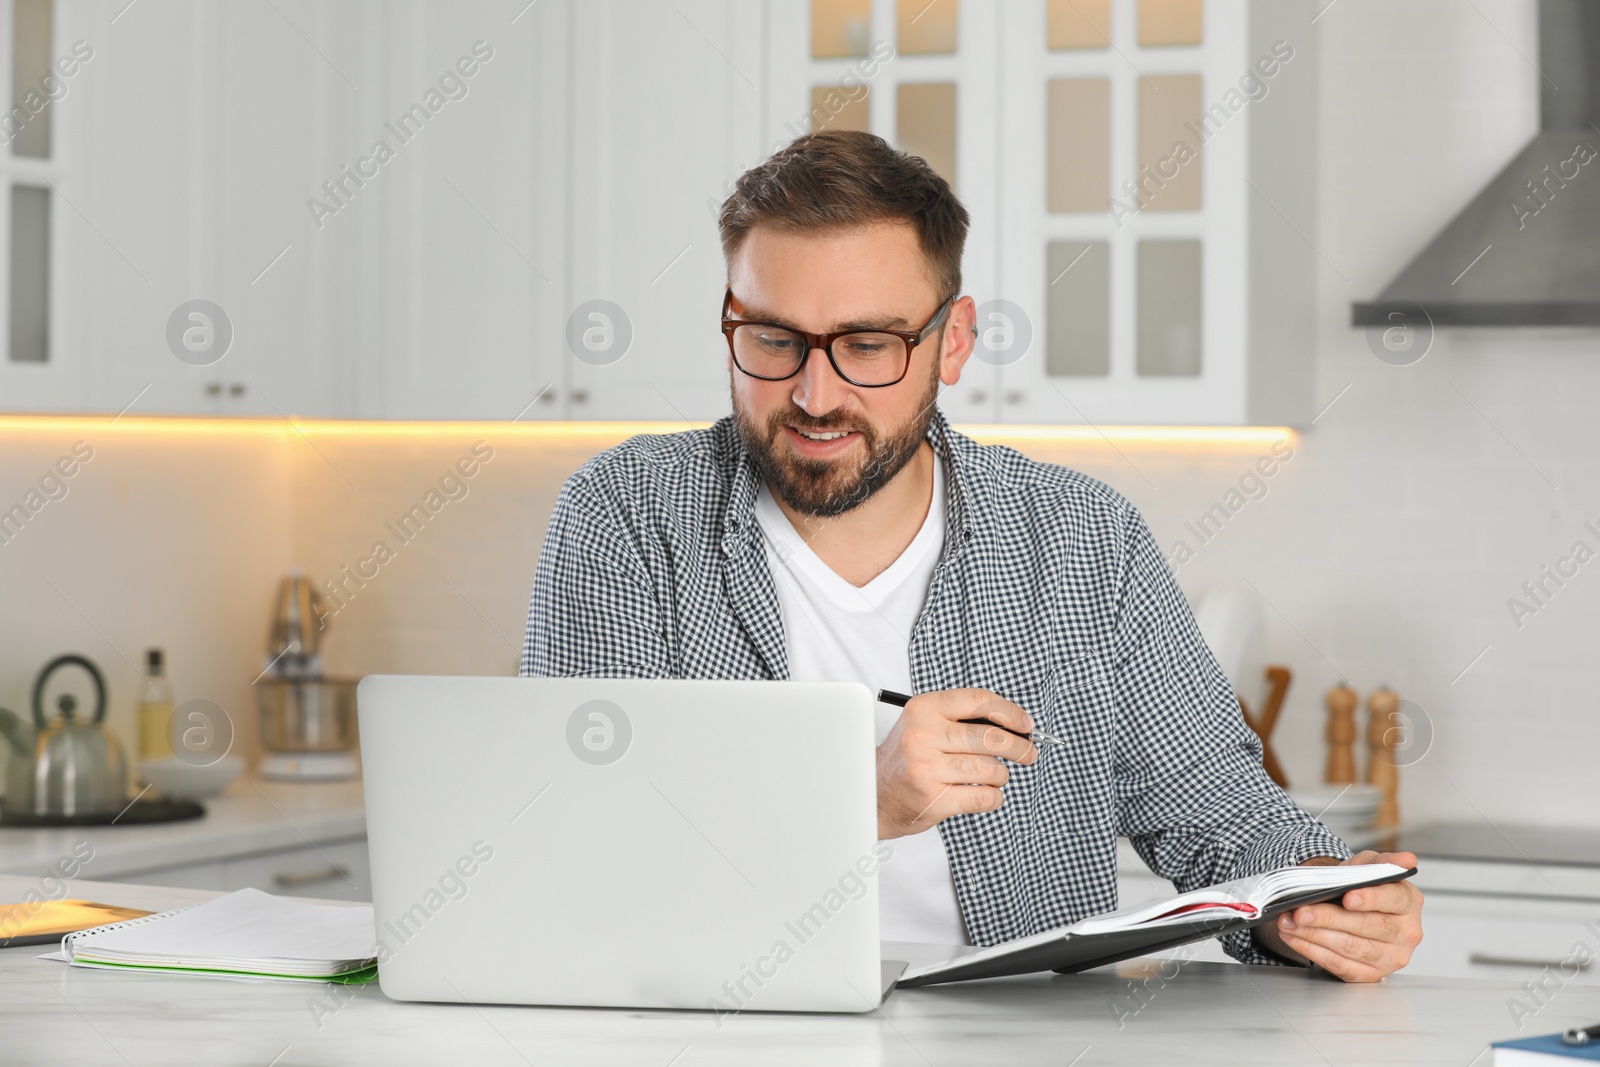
(623, 842)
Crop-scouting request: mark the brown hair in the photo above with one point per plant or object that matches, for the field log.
(840, 179)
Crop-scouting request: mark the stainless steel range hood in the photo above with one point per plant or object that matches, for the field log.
(1526, 250)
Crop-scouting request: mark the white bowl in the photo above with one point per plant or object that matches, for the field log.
(1342, 812)
(175, 778)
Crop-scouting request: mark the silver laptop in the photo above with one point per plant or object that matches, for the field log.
(624, 843)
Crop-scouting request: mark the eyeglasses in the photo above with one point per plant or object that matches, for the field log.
(870, 359)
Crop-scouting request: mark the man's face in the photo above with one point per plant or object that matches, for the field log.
(875, 276)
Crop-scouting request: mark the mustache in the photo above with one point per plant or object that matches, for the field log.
(801, 421)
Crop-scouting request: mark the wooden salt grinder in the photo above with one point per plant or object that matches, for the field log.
(1341, 734)
(1383, 734)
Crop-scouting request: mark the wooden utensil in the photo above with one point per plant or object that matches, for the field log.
(1280, 677)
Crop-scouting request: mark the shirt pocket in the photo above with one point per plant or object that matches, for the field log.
(1072, 785)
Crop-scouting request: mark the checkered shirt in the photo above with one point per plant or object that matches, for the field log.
(1050, 591)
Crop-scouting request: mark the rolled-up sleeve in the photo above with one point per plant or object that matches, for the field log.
(593, 612)
(1191, 792)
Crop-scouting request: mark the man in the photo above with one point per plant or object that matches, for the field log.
(835, 528)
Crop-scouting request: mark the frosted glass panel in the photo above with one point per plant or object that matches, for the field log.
(840, 27)
(834, 108)
(926, 26)
(1078, 303)
(30, 62)
(1166, 22)
(1169, 308)
(1078, 23)
(926, 125)
(1078, 144)
(30, 274)
(1167, 147)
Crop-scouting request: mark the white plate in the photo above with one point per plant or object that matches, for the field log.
(175, 778)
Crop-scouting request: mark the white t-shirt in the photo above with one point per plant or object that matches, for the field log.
(836, 632)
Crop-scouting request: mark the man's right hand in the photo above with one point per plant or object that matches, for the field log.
(933, 766)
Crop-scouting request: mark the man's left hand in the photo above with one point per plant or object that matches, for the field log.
(1370, 933)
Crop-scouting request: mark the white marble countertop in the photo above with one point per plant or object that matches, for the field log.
(250, 816)
(1199, 1013)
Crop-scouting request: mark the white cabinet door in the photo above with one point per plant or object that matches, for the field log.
(285, 275)
(1509, 938)
(188, 160)
(336, 870)
(189, 876)
(468, 252)
(665, 108)
(1086, 261)
(141, 220)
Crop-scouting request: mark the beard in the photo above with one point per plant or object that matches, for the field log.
(831, 487)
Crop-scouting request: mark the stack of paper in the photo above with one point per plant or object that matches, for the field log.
(247, 933)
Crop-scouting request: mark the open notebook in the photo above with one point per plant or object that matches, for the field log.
(245, 934)
(1162, 924)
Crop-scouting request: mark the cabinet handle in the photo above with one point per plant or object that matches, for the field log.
(1015, 396)
(978, 396)
(1523, 961)
(213, 389)
(236, 389)
(580, 396)
(286, 881)
(547, 397)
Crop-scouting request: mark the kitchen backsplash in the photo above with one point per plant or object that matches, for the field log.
(161, 539)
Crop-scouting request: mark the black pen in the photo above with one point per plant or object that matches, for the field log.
(1038, 737)
(1581, 1036)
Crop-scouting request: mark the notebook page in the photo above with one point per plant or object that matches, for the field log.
(1266, 888)
(245, 925)
(1259, 889)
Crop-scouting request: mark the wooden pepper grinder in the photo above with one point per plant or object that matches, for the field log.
(1383, 734)
(1342, 702)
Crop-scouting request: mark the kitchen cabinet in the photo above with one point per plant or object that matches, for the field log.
(552, 252)
(1141, 192)
(601, 301)
(49, 372)
(1516, 939)
(579, 161)
(1179, 288)
(1520, 921)
(280, 837)
(459, 299)
(539, 241)
(663, 112)
(335, 870)
(185, 159)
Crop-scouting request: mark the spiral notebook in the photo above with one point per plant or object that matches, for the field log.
(245, 934)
